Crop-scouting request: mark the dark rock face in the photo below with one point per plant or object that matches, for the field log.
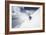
(30, 17)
